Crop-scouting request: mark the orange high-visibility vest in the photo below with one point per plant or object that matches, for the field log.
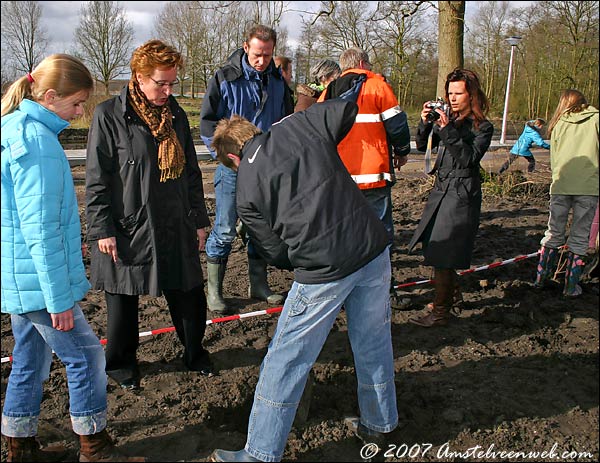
(365, 150)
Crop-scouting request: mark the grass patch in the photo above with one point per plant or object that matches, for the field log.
(512, 185)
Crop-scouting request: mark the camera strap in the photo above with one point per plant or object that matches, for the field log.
(428, 154)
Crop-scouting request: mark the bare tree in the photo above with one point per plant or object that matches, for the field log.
(559, 50)
(488, 48)
(398, 31)
(9, 74)
(24, 38)
(183, 26)
(346, 25)
(451, 28)
(104, 38)
(578, 40)
(207, 32)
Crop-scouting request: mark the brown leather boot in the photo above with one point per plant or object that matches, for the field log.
(29, 449)
(100, 447)
(445, 287)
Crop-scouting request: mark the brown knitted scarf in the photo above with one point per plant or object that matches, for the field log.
(160, 122)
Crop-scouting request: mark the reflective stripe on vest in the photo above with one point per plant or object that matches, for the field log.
(388, 114)
(371, 178)
(365, 150)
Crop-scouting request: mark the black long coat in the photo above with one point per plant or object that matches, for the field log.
(451, 217)
(154, 223)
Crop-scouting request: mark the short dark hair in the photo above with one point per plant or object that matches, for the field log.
(263, 33)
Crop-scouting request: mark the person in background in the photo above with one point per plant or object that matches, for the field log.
(285, 66)
(529, 137)
(145, 212)
(380, 138)
(450, 221)
(574, 136)
(591, 262)
(43, 276)
(310, 226)
(322, 73)
(251, 86)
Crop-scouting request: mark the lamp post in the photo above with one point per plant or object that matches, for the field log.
(512, 41)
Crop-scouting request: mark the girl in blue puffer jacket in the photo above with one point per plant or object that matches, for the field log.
(529, 137)
(43, 276)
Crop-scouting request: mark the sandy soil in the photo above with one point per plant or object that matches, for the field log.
(515, 371)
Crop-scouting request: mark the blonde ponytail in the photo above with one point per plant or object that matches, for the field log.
(65, 74)
(17, 92)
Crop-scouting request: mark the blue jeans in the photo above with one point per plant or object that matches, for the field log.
(303, 326)
(218, 244)
(380, 200)
(584, 208)
(83, 356)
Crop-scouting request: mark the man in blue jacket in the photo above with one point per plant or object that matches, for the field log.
(251, 86)
(531, 135)
(304, 212)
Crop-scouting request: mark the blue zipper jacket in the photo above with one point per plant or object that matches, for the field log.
(42, 265)
(529, 137)
(238, 88)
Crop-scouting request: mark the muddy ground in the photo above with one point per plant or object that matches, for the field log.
(515, 371)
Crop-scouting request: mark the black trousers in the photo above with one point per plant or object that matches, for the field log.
(513, 157)
(188, 313)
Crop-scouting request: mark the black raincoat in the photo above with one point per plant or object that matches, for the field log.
(451, 217)
(154, 223)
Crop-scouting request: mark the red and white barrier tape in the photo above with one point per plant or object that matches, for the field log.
(476, 269)
(279, 309)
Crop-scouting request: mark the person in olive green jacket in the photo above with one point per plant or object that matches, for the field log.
(574, 139)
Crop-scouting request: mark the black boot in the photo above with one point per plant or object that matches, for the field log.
(259, 287)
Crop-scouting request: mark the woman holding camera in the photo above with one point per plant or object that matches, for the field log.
(451, 217)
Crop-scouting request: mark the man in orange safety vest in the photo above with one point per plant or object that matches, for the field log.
(379, 139)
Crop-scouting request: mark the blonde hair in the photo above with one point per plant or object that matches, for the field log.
(63, 73)
(571, 101)
(230, 137)
(154, 54)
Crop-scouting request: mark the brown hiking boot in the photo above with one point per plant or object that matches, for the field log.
(100, 447)
(29, 449)
(445, 295)
(438, 316)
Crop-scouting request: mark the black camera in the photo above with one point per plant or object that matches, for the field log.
(438, 103)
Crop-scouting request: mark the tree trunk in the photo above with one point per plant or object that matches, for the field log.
(451, 24)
